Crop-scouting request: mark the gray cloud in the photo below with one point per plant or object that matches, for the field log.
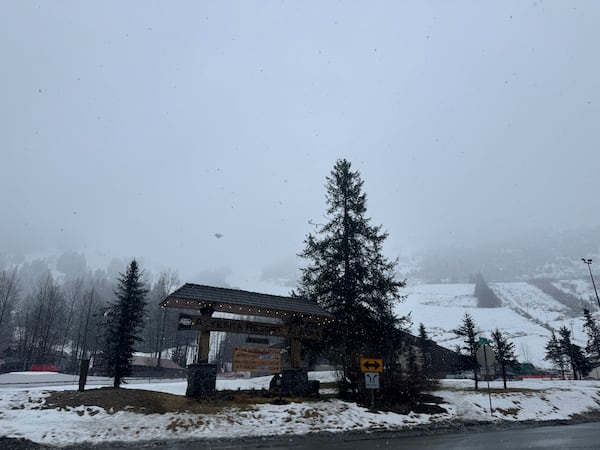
(144, 131)
(213, 277)
(284, 273)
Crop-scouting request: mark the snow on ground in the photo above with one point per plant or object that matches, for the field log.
(442, 307)
(539, 400)
(580, 288)
(530, 300)
(526, 316)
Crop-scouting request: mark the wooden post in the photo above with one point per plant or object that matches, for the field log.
(204, 338)
(83, 373)
(295, 356)
(203, 346)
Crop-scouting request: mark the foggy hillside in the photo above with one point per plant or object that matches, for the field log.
(554, 255)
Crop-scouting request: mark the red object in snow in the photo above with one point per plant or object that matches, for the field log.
(43, 368)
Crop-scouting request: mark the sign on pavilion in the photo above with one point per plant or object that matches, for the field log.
(293, 318)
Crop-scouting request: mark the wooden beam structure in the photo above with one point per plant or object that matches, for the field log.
(296, 318)
(200, 322)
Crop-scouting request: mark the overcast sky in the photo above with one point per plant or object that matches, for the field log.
(145, 128)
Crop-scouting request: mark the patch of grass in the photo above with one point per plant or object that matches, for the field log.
(514, 390)
(509, 411)
(311, 413)
(151, 402)
(484, 390)
(134, 400)
(592, 414)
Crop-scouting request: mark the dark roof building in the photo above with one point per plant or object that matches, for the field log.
(196, 297)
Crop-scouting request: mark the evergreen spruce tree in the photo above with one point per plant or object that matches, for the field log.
(554, 353)
(467, 331)
(348, 275)
(423, 333)
(125, 320)
(566, 347)
(505, 351)
(425, 346)
(593, 331)
(580, 365)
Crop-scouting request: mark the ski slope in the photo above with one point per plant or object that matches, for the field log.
(527, 315)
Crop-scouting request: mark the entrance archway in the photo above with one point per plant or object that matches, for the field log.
(293, 318)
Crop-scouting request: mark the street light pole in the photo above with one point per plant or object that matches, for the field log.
(589, 264)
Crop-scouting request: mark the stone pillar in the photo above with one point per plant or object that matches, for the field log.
(294, 382)
(202, 380)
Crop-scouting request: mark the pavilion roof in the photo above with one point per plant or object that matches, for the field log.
(196, 296)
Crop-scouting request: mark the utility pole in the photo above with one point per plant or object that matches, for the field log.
(589, 264)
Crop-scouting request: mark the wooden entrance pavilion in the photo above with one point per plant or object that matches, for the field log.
(293, 318)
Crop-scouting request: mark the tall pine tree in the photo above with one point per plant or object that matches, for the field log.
(125, 320)
(593, 331)
(348, 275)
(467, 331)
(505, 351)
(425, 346)
(566, 347)
(580, 365)
(554, 353)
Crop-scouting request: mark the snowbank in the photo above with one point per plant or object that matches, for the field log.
(21, 416)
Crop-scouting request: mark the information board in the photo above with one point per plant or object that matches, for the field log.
(257, 359)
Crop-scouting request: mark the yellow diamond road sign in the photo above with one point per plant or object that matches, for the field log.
(371, 365)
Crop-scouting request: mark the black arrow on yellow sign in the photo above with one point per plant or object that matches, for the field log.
(371, 365)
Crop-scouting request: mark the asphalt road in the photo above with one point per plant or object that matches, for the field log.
(577, 436)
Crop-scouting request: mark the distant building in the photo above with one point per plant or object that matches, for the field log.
(439, 360)
(144, 366)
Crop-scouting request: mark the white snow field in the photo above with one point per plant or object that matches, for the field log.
(527, 314)
(21, 416)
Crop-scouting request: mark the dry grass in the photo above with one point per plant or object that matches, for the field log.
(151, 402)
(509, 411)
(483, 389)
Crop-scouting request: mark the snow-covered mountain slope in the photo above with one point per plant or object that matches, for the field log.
(527, 315)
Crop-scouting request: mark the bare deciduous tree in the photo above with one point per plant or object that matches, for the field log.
(9, 293)
(41, 322)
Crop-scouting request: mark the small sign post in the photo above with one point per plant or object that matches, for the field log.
(486, 358)
(371, 367)
(372, 380)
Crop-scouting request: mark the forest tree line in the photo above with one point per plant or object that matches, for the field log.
(54, 312)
